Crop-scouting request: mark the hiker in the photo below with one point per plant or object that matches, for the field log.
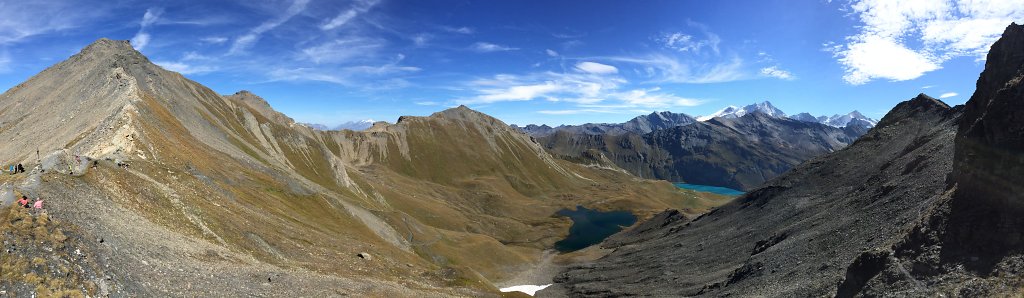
(38, 206)
(20, 168)
(23, 202)
(12, 169)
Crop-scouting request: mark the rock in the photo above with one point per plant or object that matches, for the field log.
(365, 256)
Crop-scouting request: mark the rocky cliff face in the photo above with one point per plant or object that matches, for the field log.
(989, 164)
(740, 153)
(972, 242)
(926, 204)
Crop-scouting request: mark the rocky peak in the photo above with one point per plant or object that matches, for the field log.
(119, 50)
(919, 106)
(260, 105)
(1002, 64)
(460, 112)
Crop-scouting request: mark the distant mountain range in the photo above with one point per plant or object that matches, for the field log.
(359, 125)
(736, 147)
(768, 109)
(740, 153)
(661, 120)
(641, 124)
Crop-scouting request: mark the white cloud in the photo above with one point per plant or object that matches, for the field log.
(358, 7)
(245, 41)
(371, 77)
(649, 99)
(928, 86)
(684, 42)
(521, 93)
(184, 68)
(551, 53)
(342, 50)
(460, 30)
(581, 111)
(551, 86)
(486, 47)
(141, 38)
(427, 103)
(151, 16)
(596, 68)
(214, 39)
(778, 73)
(948, 95)
(420, 40)
(5, 62)
(23, 19)
(589, 92)
(666, 69)
(939, 30)
(877, 57)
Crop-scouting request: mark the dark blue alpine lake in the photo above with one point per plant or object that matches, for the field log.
(712, 189)
(590, 227)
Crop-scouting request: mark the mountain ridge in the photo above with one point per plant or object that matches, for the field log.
(226, 186)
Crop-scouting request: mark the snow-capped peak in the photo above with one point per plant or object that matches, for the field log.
(356, 125)
(836, 120)
(734, 112)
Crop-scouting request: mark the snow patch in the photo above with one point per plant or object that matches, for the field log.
(528, 289)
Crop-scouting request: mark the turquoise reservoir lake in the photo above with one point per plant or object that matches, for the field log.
(590, 227)
(712, 189)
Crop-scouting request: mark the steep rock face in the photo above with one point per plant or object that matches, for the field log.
(990, 141)
(971, 243)
(739, 153)
(796, 235)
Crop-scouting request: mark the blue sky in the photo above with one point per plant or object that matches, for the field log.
(552, 62)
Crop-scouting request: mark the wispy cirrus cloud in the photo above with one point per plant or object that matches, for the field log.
(245, 41)
(589, 91)
(691, 42)
(903, 40)
(358, 7)
(660, 68)
(343, 49)
(23, 19)
(778, 73)
(185, 68)
(596, 68)
(369, 77)
(459, 30)
(486, 47)
(5, 62)
(214, 39)
(948, 95)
